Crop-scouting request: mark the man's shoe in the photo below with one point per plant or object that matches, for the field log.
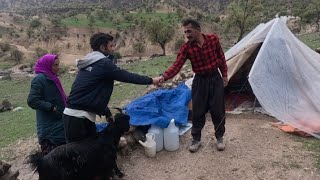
(194, 146)
(220, 144)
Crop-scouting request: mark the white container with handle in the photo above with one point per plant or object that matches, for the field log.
(158, 132)
(171, 137)
(149, 145)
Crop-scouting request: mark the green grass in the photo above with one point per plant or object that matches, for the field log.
(83, 21)
(157, 15)
(313, 145)
(311, 39)
(152, 68)
(21, 124)
(6, 64)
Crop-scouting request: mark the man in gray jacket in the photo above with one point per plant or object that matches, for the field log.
(93, 86)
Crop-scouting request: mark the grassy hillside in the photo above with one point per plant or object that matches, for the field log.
(311, 39)
(118, 20)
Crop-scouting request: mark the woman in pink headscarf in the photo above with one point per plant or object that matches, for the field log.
(48, 98)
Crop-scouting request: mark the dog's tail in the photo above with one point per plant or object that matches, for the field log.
(35, 160)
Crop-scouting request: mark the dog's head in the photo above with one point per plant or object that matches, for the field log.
(121, 121)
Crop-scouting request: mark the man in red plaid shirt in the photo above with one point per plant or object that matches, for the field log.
(206, 56)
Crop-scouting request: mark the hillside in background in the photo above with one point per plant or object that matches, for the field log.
(204, 6)
(18, 4)
(31, 28)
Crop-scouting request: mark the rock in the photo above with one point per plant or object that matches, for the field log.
(155, 55)
(4, 72)
(126, 150)
(122, 142)
(28, 70)
(5, 105)
(177, 77)
(18, 109)
(22, 66)
(73, 70)
(130, 139)
(4, 168)
(116, 83)
(19, 75)
(6, 173)
(129, 61)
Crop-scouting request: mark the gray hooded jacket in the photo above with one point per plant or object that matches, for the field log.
(93, 86)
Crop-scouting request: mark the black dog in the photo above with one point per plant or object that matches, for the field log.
(89, 159)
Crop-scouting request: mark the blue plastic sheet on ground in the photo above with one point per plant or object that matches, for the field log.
(160, 106)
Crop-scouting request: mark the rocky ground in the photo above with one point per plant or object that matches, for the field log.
(254, 150)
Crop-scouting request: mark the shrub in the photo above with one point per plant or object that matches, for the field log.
(40, 52)
(5, 47)
(139, 48)
(35, 23)
(55, 50)
(117, 55)
(16, 55)
(63, 69)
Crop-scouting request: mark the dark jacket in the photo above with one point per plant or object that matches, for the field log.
(93, 86)
(43, 96)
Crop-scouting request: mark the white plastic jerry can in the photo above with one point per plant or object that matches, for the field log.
(171, 137)
(158, 132)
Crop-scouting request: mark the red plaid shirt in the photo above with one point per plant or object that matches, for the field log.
(203, 59)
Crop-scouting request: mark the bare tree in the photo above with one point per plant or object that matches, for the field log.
(16, 55)
(242, 14)
(160, 33)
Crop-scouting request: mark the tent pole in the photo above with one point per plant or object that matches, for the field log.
(254, 104)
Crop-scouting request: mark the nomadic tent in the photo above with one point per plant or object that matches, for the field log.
(284, 74)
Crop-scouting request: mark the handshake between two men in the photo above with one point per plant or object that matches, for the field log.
(158, 80)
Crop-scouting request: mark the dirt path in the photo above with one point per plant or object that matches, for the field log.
(254, 150)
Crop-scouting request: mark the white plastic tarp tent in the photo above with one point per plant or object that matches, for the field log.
(285, 75)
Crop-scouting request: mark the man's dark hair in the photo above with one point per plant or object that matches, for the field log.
(195, 24)
(99, 39)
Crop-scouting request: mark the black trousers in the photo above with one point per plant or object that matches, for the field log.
(77, 129)
(208, 95)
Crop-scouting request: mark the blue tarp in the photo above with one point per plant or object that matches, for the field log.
(160, 106)
(101, 126)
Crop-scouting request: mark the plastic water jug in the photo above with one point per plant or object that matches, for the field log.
(158, 132)
(149, 145)
(171, 137)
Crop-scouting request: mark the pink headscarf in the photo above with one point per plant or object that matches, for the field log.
(44, 65)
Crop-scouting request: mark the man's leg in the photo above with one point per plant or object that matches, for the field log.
(217, 109)
(77, 129)
(199, 109)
